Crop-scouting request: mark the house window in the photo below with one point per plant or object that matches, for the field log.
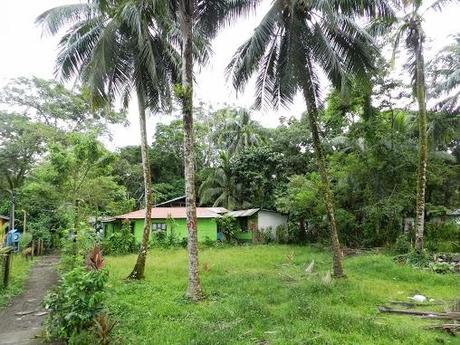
(158, 227)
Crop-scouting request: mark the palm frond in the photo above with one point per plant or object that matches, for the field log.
(246, 59)
(56, 18)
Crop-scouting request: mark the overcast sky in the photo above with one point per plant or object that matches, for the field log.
(25, 53)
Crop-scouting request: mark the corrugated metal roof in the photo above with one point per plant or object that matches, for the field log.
(166, 212)
(103, 219)
(243, 213)
(219, 210)
(171, 200)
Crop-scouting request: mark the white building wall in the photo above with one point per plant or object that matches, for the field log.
(267, 219)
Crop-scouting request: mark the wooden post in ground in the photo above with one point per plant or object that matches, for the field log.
(24, 222)
(6, 266)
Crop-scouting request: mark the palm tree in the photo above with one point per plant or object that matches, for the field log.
(239, 130)
(410, 27)
(293, 41)
(205, 18)
(117, 51)
(220, 187)
(445, 70)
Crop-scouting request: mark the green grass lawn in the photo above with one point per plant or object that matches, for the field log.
(19, 269)
(256, 295)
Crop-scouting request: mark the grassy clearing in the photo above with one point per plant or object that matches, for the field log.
(19, 269)
(257, 295)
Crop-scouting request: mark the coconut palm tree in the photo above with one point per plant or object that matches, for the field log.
(220, 188)
(294, 41)
(239, 130)
(410, 27)
(204, 18)
(445, 72)
(118, 50)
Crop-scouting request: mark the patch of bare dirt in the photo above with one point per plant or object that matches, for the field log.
(21, 320)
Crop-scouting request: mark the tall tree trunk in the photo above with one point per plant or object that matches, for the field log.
(312, 109)
(139, 267)
(12, 209)
(194, 291)
(423, 143)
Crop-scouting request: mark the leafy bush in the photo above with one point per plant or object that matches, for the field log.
(77, 300)
(418, 260)
(229, 227)
(75, 246)
(268, 235)
(208, 242)
(441, 267)
(402, 245)
(443, 237)
(82, 338)
(347, 227)
(163, 239)
(282, 234)
(25, 240)
(39, 229)
(120, 242)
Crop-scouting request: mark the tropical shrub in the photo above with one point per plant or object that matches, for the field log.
(282, 235)
(443, 237)
(229, 227)
(346, 224)
(208, 242)
(78, 299)
(75, 246)
(25, 240)
(441, 267)
(120, 242)
(402, 244)
(39, 231)
(264, 235)
(418, 260)
(163, 239)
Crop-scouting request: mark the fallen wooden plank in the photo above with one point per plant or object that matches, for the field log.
(450, 328)
(41, 313)
(22, 313)
(429, 314)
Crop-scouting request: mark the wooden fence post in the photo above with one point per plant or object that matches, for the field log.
(5, 257)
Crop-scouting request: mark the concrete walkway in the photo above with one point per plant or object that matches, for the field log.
(21, 320)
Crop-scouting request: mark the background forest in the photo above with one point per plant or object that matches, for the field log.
(59, 172)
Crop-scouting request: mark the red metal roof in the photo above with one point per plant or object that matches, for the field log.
(166, 212)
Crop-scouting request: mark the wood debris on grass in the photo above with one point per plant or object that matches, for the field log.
(452, 315)
(452, 327)
(22, 313)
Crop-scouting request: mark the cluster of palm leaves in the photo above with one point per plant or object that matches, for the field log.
(148, 48)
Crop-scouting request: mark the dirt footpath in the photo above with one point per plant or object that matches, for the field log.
(21, 320)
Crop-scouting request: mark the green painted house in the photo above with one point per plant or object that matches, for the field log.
(167, 219)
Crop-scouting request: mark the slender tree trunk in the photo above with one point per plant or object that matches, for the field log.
(139, 267)
(194, 291)
(337, 255)
(12, 209)
(423, 144)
